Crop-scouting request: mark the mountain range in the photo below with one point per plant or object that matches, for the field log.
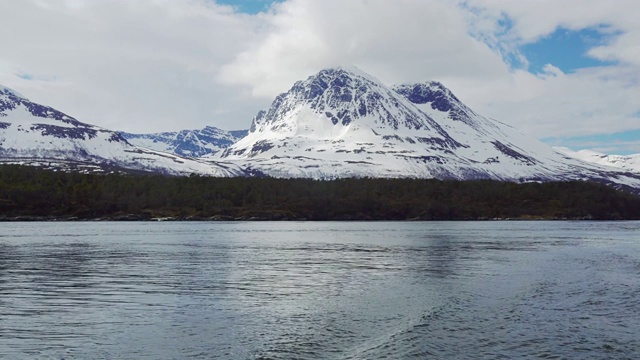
(192, 143)
(343, 122)
(340, 122)
(34, 134)
(629, 163)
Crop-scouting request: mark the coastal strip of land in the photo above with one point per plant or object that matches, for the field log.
(32, 194)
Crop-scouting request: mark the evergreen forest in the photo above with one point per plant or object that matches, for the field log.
(29, 193)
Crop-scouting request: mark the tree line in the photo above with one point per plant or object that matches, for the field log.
(32, 193)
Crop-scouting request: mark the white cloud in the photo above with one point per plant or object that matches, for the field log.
(551, 104)
(625, 49)
(533, 19)
(396, 41)
(135, 65)
(588, 101)
(423, 40)
(151, 65)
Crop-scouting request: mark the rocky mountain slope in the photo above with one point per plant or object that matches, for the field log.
(39, 135)
(337, 123)
(343, 122)
(191, 143)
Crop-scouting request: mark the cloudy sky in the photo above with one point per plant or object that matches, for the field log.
(564, 71)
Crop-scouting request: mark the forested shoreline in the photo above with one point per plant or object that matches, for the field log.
(28, 193)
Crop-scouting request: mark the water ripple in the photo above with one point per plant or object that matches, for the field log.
(560, 290)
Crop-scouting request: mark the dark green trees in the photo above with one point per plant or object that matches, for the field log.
(28, 191)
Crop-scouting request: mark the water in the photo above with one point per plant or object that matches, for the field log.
(350, 290)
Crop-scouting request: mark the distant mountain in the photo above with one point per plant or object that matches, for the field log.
(337, 123)
(625, 162)
(343, 122)
(191, 143)
(39, 135)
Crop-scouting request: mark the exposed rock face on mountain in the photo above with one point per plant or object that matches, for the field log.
(338, 123)
(343, 123)
(34, 134)
(629, 163)
(191, 143)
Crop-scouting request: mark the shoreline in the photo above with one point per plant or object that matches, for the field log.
(142, 218)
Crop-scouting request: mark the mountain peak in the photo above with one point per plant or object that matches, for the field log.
(340, 80)
(342, 122)
(330, 101)
(13, 100)
(436, 96)
(7, 91)
(351, 71)
(39, 135)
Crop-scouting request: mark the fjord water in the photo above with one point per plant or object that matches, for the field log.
(314, 290)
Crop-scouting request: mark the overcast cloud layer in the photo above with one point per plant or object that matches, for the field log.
(159, 65)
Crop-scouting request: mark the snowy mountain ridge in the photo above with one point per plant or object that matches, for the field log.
(338, 123)
(10, 92)
(625, 162)
(35, 134)
(344, 123)
(190, 143)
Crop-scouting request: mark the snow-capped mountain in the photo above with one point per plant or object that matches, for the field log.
(191, 143)
(338, 123)
(39, 135)
(343, 122)
(625, 162)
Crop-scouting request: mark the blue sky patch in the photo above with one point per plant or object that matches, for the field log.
(25, 76)
(249, 6)
(566, 50)
(512, 58)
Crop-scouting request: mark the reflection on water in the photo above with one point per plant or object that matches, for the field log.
(319, 290)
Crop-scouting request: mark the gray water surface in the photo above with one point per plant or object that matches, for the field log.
(320, 290)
